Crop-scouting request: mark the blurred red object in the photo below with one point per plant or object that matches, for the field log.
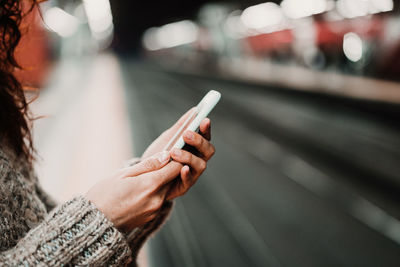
(32, 53)
(270, 41)
(332, 32)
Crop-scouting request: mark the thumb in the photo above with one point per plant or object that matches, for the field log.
(164, 175)
(153, 163)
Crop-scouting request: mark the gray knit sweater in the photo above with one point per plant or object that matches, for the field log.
(34, 232)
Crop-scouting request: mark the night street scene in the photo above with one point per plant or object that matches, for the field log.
(306, 170)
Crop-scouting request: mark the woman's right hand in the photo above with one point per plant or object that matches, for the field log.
(134, 195)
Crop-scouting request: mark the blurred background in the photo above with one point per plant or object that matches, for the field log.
(307, 166)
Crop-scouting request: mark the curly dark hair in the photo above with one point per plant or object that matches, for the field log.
(14, 114)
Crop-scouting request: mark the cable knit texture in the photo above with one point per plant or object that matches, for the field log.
(34, 232)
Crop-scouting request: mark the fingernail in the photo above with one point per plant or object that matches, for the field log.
(163, 156)
(177, 152)
(189, 135)
(187, 169)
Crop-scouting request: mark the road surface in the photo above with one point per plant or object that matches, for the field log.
(298, 179)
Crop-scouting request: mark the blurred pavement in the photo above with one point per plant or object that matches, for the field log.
(85, 135)
(296, 180)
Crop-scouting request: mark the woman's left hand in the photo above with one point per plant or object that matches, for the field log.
(194, 162)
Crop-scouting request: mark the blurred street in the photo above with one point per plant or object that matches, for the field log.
(306, 171)
(298, 179)
(83, 111)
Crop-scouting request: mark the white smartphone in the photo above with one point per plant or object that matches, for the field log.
(192, 123)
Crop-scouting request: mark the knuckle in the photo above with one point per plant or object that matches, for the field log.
(212, 150)
(173, 166)
(155, 203)
(195, 139)
(202, 165)
(150, 185)
(150, 164)
(189, 157)
(199, 140)
(161, 175)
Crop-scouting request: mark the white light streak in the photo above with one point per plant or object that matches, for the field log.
(262, 16)
(170, 35)
(352, 8)
(150, 41)
(352, 46)
(296, 9)
(99, 18)
(359, 8)
(60, 22)
(234, 26)
(382, 5)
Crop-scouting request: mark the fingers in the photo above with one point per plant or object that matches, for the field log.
(205, 128)
(200, 143)
(182, 119)
(188, 180)
(150, 164)
(186, 177)
(189, 173)
(181, 186)
(198, 165)
(164, 175)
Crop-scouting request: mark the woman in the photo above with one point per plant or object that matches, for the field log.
(106, 226)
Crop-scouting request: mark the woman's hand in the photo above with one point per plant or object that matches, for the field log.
(159, 144)
(134, 195)
(194, 163)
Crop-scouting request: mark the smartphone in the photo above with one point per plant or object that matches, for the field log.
(192, 123)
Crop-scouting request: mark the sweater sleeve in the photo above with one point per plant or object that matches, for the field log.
(47, 200)
(75, 233)
(141, 234)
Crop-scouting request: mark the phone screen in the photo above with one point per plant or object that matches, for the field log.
(181, 130)
(192, 123)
